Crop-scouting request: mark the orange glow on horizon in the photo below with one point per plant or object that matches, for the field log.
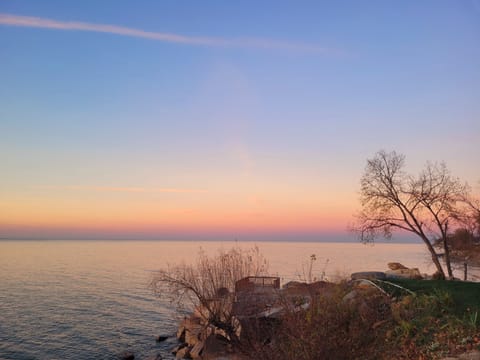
(180, 220)
(176, 210)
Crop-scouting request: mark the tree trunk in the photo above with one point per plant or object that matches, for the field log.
(434, 257)
(447, 257)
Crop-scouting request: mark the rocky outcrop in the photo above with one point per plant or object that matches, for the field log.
(396, 266)
(406, 273)
(397, 271)
(155, 357)
(368, 275)
(199, 339)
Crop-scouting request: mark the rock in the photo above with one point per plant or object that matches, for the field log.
(161, 338)
(192, 334)
(183, 353)
(127, 355)
(350, 296)
(293, 284)
(155, 357)
(403, 274)
(196, 350)
(177, 348)
(396, 266)
(215, 347)
(181, 331)
(369, 275)
(363, 284)
(355, 298)
(297, 289)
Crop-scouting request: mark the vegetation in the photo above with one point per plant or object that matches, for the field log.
(209, 284)
(464, 295)
(439, 319)
(464, 245)
(431, 205)
(397, 319)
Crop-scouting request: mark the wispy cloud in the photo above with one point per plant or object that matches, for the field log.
(37, 22)
(122, 189)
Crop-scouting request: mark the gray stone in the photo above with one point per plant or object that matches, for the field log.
(155, 357)
(403, 274)
(350, 296)
(369, 275)
(178, 348)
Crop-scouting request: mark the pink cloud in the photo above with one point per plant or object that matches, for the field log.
(123, 189)
(37, 22)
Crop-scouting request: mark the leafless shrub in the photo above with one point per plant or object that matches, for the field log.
(330, 328)
(208, 284)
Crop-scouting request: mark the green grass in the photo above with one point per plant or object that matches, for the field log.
(439, 318)
(465, 295)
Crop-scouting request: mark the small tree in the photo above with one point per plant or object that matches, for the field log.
(209, 283)
(431, 205)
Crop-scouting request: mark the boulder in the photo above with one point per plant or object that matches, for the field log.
(293, 284)
(192, 334)
(155, 357)
(196, 351)
(396, 266)
(215, 347)
(369, 275)
(177, 348)
(183, 353)
(413, 273)
(181, 331)
(296, 288)
(350, 297)
(363, 284)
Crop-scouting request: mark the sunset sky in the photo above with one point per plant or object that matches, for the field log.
(225, 119)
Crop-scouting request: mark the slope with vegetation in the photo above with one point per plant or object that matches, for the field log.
(398, 319)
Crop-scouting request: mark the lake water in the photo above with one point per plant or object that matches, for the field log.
(91, 299)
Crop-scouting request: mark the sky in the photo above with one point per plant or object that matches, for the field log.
(225, 120)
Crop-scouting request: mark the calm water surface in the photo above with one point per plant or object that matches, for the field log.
(91, 300)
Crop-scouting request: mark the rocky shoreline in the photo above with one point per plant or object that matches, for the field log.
(199, 338)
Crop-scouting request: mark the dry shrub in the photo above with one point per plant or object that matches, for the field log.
(333, 327)
(208, 284)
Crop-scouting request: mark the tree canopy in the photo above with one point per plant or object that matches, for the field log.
(431, 205)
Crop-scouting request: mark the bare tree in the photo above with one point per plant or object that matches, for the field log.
(209, 283)
(430, 205)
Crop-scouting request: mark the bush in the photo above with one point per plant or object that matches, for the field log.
(208, 284)
(340, 324)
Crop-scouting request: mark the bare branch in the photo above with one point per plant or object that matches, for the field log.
(430, 205)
